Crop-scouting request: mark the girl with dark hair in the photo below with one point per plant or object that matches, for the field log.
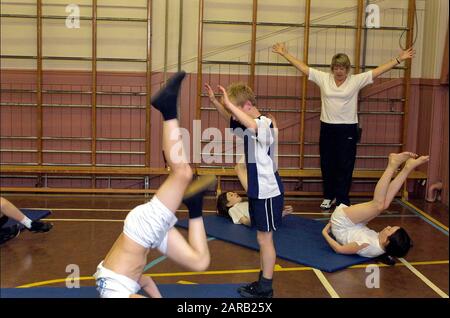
(230, 205)
(348, 223)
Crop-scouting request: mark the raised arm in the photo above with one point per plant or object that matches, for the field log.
(404, 55)
(275, 126)
(222, 111)
(279, 48)
(242, 117)
(350, 248)
(241, 171)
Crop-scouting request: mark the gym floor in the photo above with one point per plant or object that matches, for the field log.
(85, 228)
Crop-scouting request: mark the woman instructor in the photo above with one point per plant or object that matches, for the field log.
(339, 119)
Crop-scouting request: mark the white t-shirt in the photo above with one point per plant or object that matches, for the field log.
(262, 172)
(345, 232)
(362, 235)
(238, 211)
(339, 104)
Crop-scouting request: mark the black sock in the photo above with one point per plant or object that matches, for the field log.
(195, 205)
(166, 99)
(260, 275)
(3, 220)
(265, 284)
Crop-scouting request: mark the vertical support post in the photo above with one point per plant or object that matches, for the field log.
(148, 106)
(39, 83)
(219, 186)
(180, 36)
(304, 81)
(407, 81)
(251, 82)
(359, 18)
(94, 90)
(199, 60)
(358, 40)
(196, 151)
(166, 39)
(146, 185)
(180, 47)
(94, 84)
(364, 49)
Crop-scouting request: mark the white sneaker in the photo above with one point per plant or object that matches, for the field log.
(326, 204)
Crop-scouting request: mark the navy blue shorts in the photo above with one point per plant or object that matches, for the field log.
(266, 214)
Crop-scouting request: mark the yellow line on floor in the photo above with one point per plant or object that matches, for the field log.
(55, 281)
(223, 272)
(424, 279)
(326, 283)
(186, 282)
(425, 215)
(400, 264)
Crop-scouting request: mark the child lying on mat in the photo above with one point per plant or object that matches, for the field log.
(348, 223)
(230, 204)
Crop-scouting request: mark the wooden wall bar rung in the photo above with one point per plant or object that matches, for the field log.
(308, 173)
(77, 190)
(301, 173)
(82, 170)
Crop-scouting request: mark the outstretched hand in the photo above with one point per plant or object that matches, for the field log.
(279, 48)
(210, 92)
(226, 100)
(407, 54)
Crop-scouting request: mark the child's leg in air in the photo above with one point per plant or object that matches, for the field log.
(195, 254)
(364, 212)
(241, 171)
(401, 177)
(171, 191)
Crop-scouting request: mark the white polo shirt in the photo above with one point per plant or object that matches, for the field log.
(262, 173)
(238, 211)
(364, 235)
(339, 104)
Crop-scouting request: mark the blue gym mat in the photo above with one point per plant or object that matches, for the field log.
(167, 291)
(298, 240)
(31, 214)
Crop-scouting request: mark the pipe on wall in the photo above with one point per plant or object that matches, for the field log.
(433, 192)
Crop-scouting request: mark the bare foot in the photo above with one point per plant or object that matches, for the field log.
(396, 159)
(413, 163)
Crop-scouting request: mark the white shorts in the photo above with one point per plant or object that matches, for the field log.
(148, 224)
(113, 285)
(341, 224)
